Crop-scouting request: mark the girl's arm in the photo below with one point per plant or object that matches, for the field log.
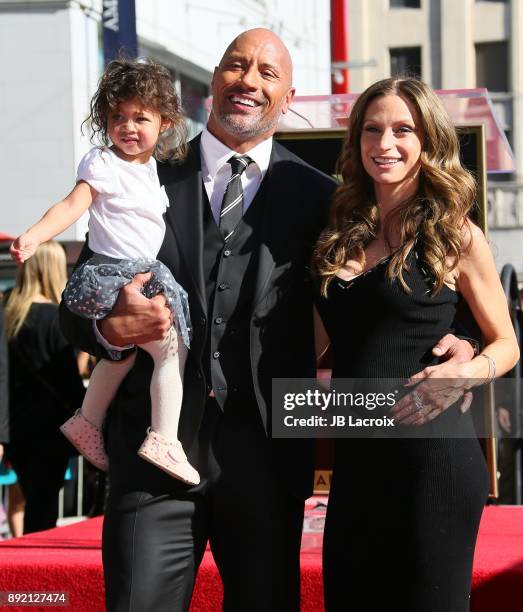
(58, 218)
(479, 283)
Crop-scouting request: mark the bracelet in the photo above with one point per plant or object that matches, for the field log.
(491, 366)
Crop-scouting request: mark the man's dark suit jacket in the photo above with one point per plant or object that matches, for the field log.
(281, 325)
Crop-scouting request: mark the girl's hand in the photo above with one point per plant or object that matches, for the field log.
(23, 248)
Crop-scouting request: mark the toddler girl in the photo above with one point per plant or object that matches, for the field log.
(134, 105)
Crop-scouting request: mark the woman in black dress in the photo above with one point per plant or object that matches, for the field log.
(398, 254)
(45, 386)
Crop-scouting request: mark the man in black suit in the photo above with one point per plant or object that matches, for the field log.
(251, 308)
(250, 299)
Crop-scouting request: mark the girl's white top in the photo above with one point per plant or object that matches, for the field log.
(126, 217)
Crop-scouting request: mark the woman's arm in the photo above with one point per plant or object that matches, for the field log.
(478, 282)
(58, 218)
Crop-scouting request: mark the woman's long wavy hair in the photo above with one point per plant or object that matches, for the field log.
(124, 79)
(45, 274)
(434, 216)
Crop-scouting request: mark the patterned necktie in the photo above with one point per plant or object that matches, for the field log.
(232, 203)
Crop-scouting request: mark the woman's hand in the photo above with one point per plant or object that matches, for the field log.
(448, 382)
(436, 389)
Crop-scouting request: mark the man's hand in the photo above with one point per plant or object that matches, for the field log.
(136, 319)
(451, 348)
(439, 386)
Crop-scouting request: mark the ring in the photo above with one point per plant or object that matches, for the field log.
(417, 401)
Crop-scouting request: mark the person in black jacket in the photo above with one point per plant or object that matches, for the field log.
(15, 499)
(4, 406)
(44, 384)
(4, 398)
(250, 299)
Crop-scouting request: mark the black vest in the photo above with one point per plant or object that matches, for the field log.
(230, 271)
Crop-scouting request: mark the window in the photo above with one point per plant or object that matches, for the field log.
(405, 60)
(405, 4)
(492, 65)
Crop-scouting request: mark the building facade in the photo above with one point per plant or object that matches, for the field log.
(454, 44)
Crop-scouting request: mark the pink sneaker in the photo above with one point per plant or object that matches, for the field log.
(87, 439)
(168, 456)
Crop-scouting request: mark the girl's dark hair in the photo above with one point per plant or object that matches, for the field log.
(124, 79)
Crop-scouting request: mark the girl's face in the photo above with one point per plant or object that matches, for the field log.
(391, 144)
(134, 130)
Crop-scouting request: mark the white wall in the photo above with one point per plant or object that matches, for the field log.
(50, 61)
(45, 75)
(506, 247)
(200, 32)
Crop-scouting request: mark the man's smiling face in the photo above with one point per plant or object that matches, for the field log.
(251, 88)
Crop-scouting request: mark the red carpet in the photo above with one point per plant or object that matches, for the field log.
(69, 559)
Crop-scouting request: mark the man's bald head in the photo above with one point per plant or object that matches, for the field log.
(251, 87)
(263, 36)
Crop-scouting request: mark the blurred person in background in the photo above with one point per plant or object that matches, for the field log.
(15, 509)
(85, 364)
(45, 386)
(15, 498)
(4, 409)
(96, 482)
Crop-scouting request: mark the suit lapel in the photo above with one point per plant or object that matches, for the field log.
(185, 216)
(274, 223)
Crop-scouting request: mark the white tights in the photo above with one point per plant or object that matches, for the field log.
(169, 356)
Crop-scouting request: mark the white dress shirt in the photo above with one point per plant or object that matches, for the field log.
(129, 205)
(216, 172)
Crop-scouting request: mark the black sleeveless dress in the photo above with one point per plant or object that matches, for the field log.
(403, 514)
